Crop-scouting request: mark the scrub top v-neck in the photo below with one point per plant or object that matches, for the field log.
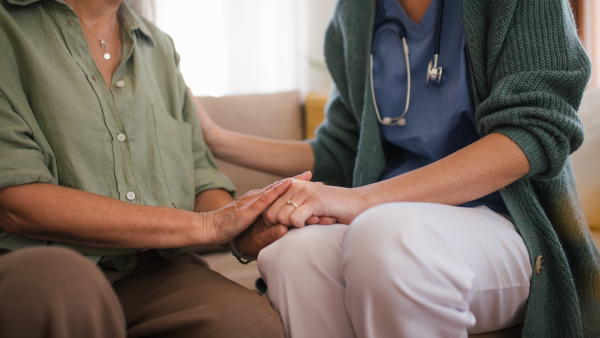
(440, 119)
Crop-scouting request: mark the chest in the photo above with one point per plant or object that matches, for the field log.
(106, 50)
(435, 114)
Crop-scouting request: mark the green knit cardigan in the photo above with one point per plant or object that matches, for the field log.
(529, 72)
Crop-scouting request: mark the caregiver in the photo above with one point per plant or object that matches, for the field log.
(447, 138)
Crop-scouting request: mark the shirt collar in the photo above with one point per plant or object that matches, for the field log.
(131, 21)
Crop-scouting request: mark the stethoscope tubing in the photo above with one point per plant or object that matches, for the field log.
(396, 120)
(433, 73)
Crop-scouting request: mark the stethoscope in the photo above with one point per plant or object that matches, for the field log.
(434, 73)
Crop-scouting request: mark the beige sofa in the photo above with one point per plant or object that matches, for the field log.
(285, 115)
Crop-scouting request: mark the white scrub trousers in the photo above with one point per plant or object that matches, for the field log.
(400, 270)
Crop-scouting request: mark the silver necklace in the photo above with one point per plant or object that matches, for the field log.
(102, 42)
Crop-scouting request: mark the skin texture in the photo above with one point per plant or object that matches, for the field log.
(415, 9)
(55, 213)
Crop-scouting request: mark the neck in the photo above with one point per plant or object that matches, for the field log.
(415, 9)
(96, 13)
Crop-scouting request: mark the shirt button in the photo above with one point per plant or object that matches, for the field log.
(121, 137)
(120, 83)
(131, 195)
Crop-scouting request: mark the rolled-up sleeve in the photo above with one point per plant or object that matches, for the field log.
(206, 173)
(21, 158)
(536, 82)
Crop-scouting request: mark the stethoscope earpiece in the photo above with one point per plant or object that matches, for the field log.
(388, 121)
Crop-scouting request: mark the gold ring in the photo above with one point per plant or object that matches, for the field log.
(292, 203)
(262, 192)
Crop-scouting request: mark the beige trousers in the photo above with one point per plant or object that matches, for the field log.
(54, 292)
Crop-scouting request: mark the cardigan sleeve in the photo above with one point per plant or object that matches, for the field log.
(336, 140)
(536, 71)
(335, 144)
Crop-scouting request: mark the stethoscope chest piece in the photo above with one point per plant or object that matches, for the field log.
(434, 73)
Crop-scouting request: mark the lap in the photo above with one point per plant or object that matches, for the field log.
(58, 293)
(183, 298)
(475, 249)
(55, 292)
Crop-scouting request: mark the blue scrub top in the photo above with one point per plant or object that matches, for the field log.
(440, 118)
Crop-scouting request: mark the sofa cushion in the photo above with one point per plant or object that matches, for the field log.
(586, 160)
(276, 116)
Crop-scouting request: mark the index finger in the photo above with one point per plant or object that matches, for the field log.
(272, 192)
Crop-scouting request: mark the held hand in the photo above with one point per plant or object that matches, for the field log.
(316, 201)
(226, 223)
(263, 232)
(259, 235)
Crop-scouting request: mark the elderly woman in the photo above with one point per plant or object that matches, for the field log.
(448, 132)
(101, 152)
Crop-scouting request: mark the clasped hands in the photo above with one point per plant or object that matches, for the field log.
(302, 203)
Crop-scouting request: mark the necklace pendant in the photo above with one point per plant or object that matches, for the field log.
(106, 56)
(102, 43)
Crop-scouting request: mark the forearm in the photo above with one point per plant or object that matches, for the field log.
(475, 171)
(211, 200)
(283, 158)
(55, 213)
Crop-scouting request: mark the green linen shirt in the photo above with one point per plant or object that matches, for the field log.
(138, 141)
(529, 72)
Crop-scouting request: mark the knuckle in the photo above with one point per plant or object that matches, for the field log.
(282, 219)
(297, 220)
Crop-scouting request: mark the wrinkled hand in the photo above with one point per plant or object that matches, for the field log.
(259, 235)
(316, 202)
(264, 232)
(228, 222)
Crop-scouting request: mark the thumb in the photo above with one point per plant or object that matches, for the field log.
(274, 233)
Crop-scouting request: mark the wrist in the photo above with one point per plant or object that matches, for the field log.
(368, 197)
(204, 229)
(239, 255)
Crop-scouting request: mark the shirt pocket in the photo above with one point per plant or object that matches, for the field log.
(174, 140)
